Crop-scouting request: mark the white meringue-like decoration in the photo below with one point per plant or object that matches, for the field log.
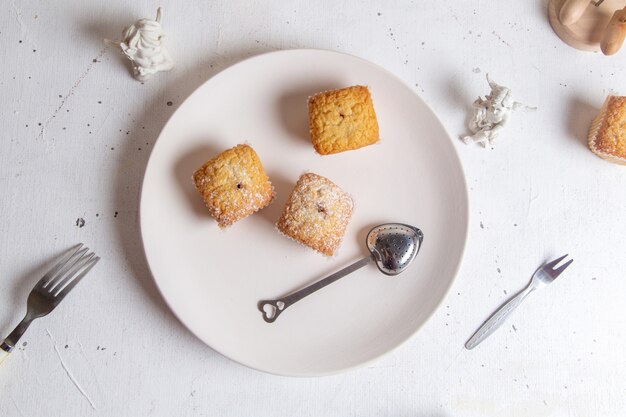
(491, 114)
(143, 43)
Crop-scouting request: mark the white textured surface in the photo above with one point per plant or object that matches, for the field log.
(539, 194)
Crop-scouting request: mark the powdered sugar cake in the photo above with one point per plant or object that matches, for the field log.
(234, 185)
(316, 214)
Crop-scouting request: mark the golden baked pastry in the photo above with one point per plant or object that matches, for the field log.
(607, 135)
(234, 185)
(342, 120)
(316, 214)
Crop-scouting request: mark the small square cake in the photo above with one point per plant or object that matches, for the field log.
(233, 185)
(316, 214)
(607, 135)
(342, 120)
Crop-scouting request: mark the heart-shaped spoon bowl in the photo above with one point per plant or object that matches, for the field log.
(394, 246)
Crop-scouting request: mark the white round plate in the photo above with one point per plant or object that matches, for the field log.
(212, 279)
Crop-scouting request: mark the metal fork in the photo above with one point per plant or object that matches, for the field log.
(51, 290)
(542, 277)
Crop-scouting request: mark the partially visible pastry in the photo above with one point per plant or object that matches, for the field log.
(316, 214)
(342, 120)
(233, 185)
(607, 135)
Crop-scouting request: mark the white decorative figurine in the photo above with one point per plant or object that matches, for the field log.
(491, 114)
(144, 44)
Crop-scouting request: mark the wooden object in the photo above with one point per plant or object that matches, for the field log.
(583, 24)
(614, 34)
(572, 11)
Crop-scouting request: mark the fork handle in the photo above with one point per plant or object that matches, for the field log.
(9, 343)
(498, 318)
(3, 353)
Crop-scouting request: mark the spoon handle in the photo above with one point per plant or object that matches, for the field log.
(271, 309)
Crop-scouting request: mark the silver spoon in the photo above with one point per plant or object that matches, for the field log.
(393, 247)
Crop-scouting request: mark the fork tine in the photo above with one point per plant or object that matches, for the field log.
(70, 262)
(560, 269)
(552, 264)
(65, 257)
(77, 279)
(61, 282)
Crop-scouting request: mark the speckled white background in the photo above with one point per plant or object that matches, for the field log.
(77, 131)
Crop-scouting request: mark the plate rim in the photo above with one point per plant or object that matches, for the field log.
(465, 212)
